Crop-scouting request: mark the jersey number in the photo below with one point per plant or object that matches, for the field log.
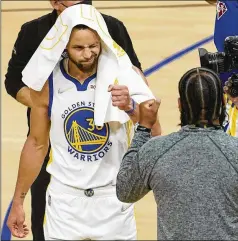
(92, 126)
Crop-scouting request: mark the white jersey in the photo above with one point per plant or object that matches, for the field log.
(82, 154)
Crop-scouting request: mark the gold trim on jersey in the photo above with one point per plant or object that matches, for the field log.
(233, 121)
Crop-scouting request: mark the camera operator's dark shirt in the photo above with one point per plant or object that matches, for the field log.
(33, 32)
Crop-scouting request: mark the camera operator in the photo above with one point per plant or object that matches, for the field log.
(226, 24)
(225, 62)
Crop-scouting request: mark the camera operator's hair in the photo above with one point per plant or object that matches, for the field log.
(201, 97)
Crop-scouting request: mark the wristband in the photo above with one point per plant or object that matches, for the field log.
(129, 112)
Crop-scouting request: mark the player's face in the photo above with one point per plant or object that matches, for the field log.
(84, 49)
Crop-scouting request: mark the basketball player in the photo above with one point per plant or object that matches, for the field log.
(193, 172)
(29, 38)
(81, 200)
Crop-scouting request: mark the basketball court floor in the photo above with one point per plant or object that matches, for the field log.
(158, 29)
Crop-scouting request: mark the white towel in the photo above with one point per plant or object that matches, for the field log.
(114, 65)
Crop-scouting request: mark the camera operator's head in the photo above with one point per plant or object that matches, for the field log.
(61, 5)
(201, 98)
(231, 89)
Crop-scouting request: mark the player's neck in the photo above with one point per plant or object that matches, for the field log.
(78, 74)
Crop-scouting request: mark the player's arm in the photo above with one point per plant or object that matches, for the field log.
(32, 157)
(24, 97)
(36, 145)
(121, 99)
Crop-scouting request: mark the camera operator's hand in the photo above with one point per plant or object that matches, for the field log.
(148, 113)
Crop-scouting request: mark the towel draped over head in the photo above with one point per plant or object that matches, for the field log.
(114, 65)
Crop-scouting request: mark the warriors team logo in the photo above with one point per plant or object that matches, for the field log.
(87, 142)
(221, 9)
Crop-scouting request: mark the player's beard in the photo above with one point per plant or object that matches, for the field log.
(84, 67)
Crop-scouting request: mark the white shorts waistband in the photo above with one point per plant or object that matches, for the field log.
(91, 192)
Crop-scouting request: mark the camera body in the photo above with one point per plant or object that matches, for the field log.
(221, 62)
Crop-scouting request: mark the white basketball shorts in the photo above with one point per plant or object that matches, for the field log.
(73, 214)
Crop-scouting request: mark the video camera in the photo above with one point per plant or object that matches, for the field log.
(221, 62)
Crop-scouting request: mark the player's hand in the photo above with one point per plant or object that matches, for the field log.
(148, 112)
(16, 221)
(121, 97)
